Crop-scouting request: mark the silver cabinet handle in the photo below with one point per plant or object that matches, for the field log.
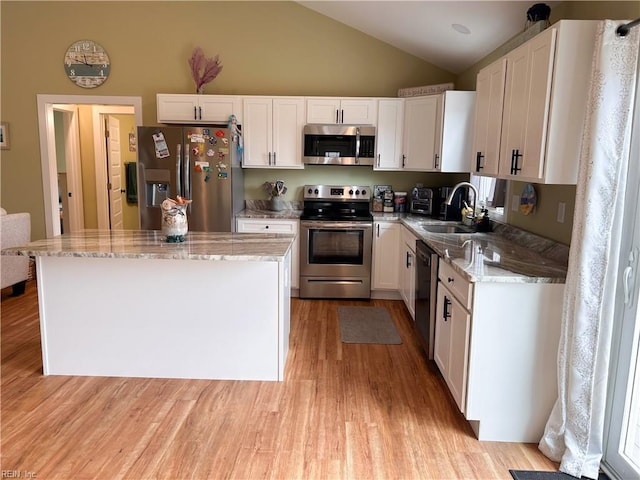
(269, 158)
(195, 113)
(274, 158)
(404, 158)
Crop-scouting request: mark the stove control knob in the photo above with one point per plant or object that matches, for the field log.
(364, 192)
(350, 192)
(357, 192)
(309, 191)
(316, 191)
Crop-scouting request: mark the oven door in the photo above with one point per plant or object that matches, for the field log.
(335, 259)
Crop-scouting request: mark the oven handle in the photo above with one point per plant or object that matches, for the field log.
(336, 225)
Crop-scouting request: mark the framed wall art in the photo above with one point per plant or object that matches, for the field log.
(4, 136)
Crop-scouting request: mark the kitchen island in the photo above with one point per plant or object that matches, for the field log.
(128, 304)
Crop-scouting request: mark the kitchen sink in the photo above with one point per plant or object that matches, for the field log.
(447, 229)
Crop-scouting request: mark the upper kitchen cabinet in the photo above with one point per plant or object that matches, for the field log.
(488, 118)
(419, 141)
(353, 111)
(546, 92)
(200, 109)
(272, 132)
(438, 132)
(389, 134)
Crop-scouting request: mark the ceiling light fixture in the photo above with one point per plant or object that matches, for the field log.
(460, 28)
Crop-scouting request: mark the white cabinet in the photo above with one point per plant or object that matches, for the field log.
(496, 347)
(408, 270)
(270, 225)
(272, 131)
(419, 134)
(454, 131)
(386, 253)
(389, 134)
(438, 131)
(358, 111)
(545, 100)
(488, 118)
(200, 109)
(451, 346)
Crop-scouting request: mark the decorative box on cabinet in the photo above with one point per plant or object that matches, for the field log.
(272, 132)
(200, 109)
(270, 225)
(356, 111)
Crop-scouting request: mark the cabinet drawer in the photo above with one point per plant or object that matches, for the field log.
(258, 226)
(459, 286)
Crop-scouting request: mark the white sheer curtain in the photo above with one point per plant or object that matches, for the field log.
(574, 432)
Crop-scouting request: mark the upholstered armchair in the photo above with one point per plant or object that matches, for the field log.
(15, 231)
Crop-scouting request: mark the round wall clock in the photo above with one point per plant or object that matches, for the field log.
(87, 64)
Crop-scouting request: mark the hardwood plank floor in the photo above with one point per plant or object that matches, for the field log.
(344, 411)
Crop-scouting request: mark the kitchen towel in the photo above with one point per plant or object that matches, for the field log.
(131, 169)
(367, 325)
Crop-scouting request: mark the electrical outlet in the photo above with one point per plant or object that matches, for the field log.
(515, 203)
(561, 209)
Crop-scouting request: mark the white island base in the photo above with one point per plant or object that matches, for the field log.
(164, 318)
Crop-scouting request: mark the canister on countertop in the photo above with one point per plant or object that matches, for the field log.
(388, 201)
(400, 202)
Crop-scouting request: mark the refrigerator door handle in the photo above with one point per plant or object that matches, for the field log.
(178, 170)
(186, 175)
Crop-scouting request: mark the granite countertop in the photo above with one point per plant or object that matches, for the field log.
(150, 244)
(261, 209)
(504, 255)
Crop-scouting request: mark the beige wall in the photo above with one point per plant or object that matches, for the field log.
(265, 48)
(543, 220)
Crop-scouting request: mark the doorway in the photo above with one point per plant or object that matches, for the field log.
(47, 104)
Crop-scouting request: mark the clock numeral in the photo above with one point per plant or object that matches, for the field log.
(72, 72)
(102, 73)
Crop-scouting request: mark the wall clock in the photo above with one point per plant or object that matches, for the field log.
(87, 64)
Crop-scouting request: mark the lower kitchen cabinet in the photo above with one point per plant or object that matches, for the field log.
(451, 348)
(408, 270)
(269, 225)
(386, 254)
(496, 346)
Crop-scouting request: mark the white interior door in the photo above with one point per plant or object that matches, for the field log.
(114, 165)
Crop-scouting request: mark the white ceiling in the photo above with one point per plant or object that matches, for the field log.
(423, 28)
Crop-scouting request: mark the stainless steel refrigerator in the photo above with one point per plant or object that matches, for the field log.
(199, 163)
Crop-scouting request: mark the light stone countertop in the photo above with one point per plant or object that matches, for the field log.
(150, 244)
(504, 255)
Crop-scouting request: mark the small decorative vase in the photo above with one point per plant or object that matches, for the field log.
(277, 204)
(174, 223)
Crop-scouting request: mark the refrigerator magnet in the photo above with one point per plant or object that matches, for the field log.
(206, 132)
(202, 165)
(219, 133)
(222, 175)
(210, 152)
(223, 150)
(197, 138)
(213, 140)
(160, 145)
(225, 141)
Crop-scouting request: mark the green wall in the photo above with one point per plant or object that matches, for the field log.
(272, 48)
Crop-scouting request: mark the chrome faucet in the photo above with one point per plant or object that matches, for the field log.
(475, 195)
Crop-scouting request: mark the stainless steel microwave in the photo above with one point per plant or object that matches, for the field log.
(339, 144)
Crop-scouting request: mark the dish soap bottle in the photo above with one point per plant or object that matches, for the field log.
(484, 222)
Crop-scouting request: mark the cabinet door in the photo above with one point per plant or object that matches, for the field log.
(488, 118)
(541, 51)
(177, 108)
(451, 348)
(218, 108)
(288, 123)
(250, 225)
(323, 110)
(408, 280)
(389, 134)
(526, 108)
(358, 111)
(386, 252)
(420, 116)
(257, 132)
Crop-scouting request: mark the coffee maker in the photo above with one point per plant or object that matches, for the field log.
(449, 212)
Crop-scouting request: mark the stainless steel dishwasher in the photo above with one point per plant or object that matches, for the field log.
(426, 283)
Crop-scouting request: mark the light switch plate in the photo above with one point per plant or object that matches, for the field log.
(515, 203)
(561, 210)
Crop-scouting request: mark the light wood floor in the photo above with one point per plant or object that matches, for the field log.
(344, 411)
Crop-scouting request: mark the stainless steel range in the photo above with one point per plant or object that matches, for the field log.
(336, 233)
